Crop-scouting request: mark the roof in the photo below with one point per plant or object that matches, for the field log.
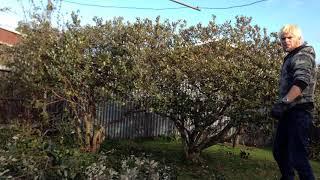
(10, 30)
(4, 68)
(9, 37)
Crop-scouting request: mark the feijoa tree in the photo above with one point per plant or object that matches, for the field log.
(208, 79)
(80, 65)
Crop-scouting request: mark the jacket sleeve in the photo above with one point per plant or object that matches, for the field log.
(302, 66)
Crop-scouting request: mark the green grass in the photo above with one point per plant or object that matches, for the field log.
(222, 160)
(258, 165)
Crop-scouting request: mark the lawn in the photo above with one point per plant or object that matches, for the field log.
(220, 161)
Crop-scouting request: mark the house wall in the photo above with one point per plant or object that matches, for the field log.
(8, 37)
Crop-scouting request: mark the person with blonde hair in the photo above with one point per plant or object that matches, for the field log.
(295, 105)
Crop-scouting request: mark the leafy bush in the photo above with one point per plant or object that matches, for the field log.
(131, 168)
(314, 151)
(26, 154)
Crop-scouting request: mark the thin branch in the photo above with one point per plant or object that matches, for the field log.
(211, 140)
(65, 99)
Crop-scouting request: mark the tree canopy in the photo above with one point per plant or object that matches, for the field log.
(205, 78)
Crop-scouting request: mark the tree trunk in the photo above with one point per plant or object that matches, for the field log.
(93, 135)
(88, 125)
(193, 156)
(236, 136)
(236, 140)
(97, 139)
(79, 131)
(192, 153)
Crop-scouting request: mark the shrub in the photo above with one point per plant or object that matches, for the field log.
(26, 154)
(131, 167)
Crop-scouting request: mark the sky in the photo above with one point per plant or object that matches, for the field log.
(269, 14)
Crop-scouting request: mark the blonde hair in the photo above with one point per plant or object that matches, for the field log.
(292, 29)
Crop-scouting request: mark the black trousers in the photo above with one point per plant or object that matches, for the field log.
(290, 145)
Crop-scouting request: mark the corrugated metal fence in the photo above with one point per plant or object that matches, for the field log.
(121, 121)
(12, 108)
(124, 121)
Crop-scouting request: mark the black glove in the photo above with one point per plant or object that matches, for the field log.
(279, 109)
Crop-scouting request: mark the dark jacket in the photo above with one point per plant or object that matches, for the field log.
(299, 68)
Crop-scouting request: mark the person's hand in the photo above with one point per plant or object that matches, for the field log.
(279, 109)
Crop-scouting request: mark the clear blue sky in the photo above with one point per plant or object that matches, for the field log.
(271, 14)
